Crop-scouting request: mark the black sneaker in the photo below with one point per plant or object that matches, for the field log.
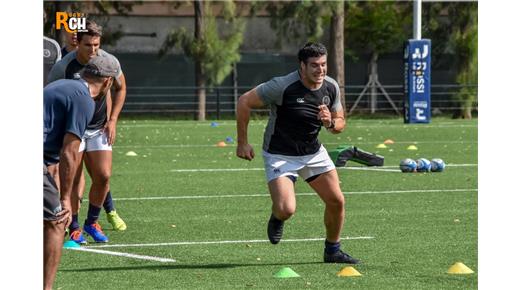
(274, 230)
(339, 257)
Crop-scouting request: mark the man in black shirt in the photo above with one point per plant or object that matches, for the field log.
(301, 103)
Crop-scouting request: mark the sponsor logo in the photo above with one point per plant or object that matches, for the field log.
(417, 52)
(300, 100)
(420, 109)
(420, 104)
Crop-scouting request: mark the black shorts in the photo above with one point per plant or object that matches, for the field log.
(51, 197)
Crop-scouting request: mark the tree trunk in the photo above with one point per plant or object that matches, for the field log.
(200, 78)
(336, 55)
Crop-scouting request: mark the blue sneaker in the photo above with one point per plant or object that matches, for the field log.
(94, 230)
(77, 236)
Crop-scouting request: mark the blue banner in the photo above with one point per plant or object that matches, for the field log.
(417, 81)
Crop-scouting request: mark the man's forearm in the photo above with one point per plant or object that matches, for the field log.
(243, 113)
(69, 162)
(117, 104)
(339, 125)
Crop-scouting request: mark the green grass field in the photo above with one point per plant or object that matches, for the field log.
(181, 192)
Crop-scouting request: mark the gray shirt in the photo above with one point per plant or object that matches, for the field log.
(51, 55)
(293, 125)
(69, 68)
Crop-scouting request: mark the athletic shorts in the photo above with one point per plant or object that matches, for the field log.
(306, 166)
(94, 140)
(51, 197)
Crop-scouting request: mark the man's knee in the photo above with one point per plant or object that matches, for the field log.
(102, 177)
(336, 201)
(284, 212)
(52, 227)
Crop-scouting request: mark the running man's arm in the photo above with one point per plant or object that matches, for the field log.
(246, 102)
(333, 121)
(333, 118)
(339, 122)
(118, 100)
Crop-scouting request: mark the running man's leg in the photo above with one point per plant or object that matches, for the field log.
(327, 187)
(282, 197)
(283, 207)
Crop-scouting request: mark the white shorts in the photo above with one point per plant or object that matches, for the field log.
(94, 140)
(305, 166)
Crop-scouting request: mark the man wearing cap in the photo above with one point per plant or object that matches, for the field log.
(98, 139)
(68, 107)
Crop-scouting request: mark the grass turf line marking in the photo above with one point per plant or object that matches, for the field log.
(218, 242)
(297, 194)
(378, 168)
(126, 255)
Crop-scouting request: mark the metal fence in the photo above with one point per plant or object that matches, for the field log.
(445, 98)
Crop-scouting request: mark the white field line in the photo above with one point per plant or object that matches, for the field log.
(150, 146)
(376, 168)
(126, 255)
(298, 194)
(217, 242)
(262, 169)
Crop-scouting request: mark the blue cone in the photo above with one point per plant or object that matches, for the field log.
(229, 139)
(214, 124)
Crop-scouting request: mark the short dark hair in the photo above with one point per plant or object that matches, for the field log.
(311, 49)
(93, 29)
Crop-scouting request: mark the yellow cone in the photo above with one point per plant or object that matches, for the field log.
(381, 146)
(348, 272)
(459, 268)
(412, 147)
(131, 153)
(388, 141)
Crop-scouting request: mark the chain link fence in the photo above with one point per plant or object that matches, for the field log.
(221, 101)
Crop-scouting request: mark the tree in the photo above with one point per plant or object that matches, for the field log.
(375, 28)
(102, 9)
(454, 26)
(213, 53)
(306, 20)
(337, 47)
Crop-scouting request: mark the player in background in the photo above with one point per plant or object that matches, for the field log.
(68, 107)
(51, 55)
(97, 141)
(71, 42)
(301, 103)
